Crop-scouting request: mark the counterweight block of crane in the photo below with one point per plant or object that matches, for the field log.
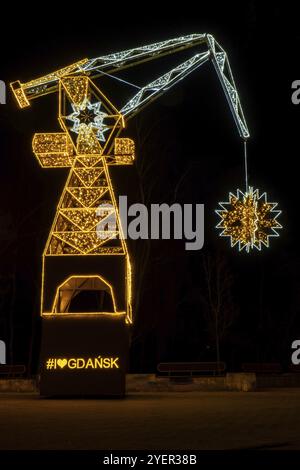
(84, 355)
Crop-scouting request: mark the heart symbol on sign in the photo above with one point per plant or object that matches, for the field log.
(62, 363)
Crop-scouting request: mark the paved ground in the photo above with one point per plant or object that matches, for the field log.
(190, 420)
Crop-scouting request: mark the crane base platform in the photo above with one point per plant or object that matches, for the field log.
(84, 355)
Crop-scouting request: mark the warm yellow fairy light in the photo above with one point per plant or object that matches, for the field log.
(41, 84)
(53, 149)
(248, 219)
(83, 279)
(19, 94)
(87, 142)
(76, 88)
(124, 151)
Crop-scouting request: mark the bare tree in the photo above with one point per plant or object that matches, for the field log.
(220, 311)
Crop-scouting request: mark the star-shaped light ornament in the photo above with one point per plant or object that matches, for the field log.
(88, 114)
(248, 219)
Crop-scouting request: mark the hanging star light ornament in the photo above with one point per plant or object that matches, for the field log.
(88, 114)
(248, 219)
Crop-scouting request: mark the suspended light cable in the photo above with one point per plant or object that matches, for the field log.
(119, 79)
(246, 164)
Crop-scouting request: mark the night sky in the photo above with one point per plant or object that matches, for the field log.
(189, 131)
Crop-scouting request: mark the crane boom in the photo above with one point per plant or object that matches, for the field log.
(115, 62)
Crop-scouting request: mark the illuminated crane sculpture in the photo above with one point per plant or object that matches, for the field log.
(78, 257)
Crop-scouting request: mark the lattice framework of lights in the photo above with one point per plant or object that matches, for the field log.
(112, 64)
(87, 153)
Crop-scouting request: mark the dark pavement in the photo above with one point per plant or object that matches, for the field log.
(190, 420)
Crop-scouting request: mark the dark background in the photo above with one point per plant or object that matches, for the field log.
(188, 150)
